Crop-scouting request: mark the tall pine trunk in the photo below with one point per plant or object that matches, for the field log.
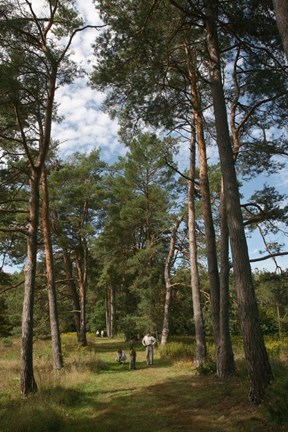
(51, 288)
(211, 251)
(226, 364)
(201, 350)
(81, 264)
(258, 365)
(28, 383)
(167, 270)
(73, 291)
(110, 311)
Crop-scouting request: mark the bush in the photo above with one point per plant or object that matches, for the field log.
(7, 343)
(275, 404)
(206, 368)
(177, 350)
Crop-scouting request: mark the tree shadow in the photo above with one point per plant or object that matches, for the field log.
(182, 404)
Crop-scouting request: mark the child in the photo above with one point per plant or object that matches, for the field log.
(121, 356)
(132, 363)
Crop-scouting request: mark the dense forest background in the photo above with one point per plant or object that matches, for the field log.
(143, 243)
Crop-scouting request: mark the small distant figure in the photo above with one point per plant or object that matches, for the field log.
(102, 333)
(149, 341)
(121, 356)
(132, 354)
(97, 333)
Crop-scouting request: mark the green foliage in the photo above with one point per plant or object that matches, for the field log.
(7, 342)
(177, 351)
(276, 402)
(206, 368)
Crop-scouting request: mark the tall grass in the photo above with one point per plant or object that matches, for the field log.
(93, 393)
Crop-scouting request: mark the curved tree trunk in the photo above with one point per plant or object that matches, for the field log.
(201, 350)
(258, 365)
(54, 322)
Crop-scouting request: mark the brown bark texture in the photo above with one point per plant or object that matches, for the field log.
(201, 350)
(258, 365)
(51, 287)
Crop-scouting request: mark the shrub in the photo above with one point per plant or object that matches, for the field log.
(177, 350)
(206, 368)
(275, 404)
(7, 343)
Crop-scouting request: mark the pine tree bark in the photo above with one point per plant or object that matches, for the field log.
(167, 270)
(28, 384)
(51, 288)
(201, 350)
(110, 311)
(226, 363)
(73, 291)
(281, 12)
(258, 365)
(81, 264)
(211, 251)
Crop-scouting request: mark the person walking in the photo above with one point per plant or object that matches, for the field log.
(148, 342)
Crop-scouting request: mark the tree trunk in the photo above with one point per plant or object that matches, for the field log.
(281, 12)
(168, 265)
(28, 384)
(201, 350)
(81, 264)
(211, 251)
(225, 364)
(259, 369)
(54, 322)
(110, 311)
(73, 291)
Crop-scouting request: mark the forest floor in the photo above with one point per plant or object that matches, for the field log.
(93, 393)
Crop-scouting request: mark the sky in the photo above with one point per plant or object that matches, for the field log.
(86, 127)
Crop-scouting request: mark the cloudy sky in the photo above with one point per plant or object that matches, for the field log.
(86, 127)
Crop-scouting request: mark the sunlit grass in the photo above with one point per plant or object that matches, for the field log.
(93, 393)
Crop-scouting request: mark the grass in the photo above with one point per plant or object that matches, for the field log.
(93, 393)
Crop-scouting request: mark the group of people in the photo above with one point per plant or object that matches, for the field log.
(98, 334)
(148, 342)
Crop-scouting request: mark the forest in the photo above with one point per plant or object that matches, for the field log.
(158, 238)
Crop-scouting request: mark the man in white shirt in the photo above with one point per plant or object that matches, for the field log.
(148, 341)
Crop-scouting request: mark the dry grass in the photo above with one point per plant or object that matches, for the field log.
(93, 393)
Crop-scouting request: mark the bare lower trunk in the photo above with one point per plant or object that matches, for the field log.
(201, 350)
(259, 369)
(81, 264)
(54, 322)
(110, 311)
(168, 265)
(211, 252)
(28, 384)
(73, 291)
(225, 363)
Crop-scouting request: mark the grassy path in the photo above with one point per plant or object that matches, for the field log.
(97, 395)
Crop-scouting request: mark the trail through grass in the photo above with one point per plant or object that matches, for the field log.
(93, 393)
